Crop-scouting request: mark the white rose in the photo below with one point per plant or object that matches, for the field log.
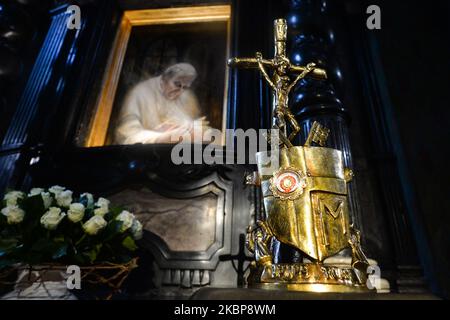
(52, 218)
(102, 202)
(90, 198)
(56, 190)
(76, 212)
(101, 211)
(46, 199)
(64, 198)
(94, 225)
(103, 207)
(12, 196)
(35, 192)
(127, 220)
(14, 214)
(136, 230)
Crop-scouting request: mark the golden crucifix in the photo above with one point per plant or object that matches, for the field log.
(280, 82)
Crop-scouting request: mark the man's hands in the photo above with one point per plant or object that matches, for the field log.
(170, 132)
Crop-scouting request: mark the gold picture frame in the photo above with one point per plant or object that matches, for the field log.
(99, 124)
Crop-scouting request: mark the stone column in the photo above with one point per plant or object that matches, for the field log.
(311, 26)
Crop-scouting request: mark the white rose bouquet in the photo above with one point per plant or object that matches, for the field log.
(54, 225)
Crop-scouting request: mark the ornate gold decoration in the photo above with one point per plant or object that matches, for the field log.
(252, 179)
(305, 197)
(317, 134)
(306, 204)
(258, 242)
(287, 183)
(280, 81)
(308, 277)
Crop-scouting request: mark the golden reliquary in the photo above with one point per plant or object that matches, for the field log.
(306, 206)
(305, 194)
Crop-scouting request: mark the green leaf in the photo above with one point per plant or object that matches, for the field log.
(112, 229)
(89, 213)
(129, 243)
(3, 220)
(4, 263)
(80, 259)
(41, 245)
(7, 245)
(92, 254)
(83, 236)
(33, 258)
(123, 258)
(59, 238)
(61, 251)
(114, 212)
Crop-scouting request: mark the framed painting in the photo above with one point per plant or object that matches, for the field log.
(166, 77)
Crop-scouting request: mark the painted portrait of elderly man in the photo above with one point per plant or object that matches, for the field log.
(161, 108)
(172, 81)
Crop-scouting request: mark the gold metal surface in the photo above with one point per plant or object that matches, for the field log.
(310, 213)
(314, 217)
(98, 127)
(330, 212)
(317, 134)
(287, 183)
(252, 63)
(312, 287)
(252, 179)
(304, 193)
(258, 242)
(178, 15)
(280, 81)
(315, 161)
(308, 277)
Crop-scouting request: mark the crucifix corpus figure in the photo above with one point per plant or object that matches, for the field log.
(280, 82)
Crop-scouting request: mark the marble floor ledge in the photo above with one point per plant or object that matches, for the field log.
(260, 294)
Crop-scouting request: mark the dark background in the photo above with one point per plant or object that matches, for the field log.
(414, 52)
(388, 97)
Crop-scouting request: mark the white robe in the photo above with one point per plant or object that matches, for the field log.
(146, 111)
